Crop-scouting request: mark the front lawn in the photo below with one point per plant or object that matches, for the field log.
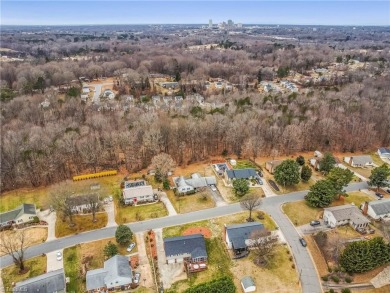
(128, 214)
(365, 172)
(357, 198)
(300, 213)
(72, 262)
(190, 203)
(36, 265)
(293, 188)
(82, 223)
(35, 235)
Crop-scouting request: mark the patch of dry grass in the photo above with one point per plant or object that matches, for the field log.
(300, 213)
(317, 256)
(190, 203)
(35, 235)
(82, 223)
(128, 214)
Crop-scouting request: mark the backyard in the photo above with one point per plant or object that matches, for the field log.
(82, 223)
(128, 214)
(36, 265)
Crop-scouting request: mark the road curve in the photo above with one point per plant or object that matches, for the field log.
(272, 205)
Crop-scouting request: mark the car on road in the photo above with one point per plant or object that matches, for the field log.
(110, 198)
(379, 195)
(137, 277)
(315, 223)
(213, 188)
(303, 242)
(130, 247)
(59, 255)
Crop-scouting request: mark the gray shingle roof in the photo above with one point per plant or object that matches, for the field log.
(47, 283)
(247, 282)
(362, 160)
(384, 150)
(241, 173)
(348, 212)
(240, 232)
(380, 207)
(194, 245)
(12, 215)
(95, 279)
(80, 200)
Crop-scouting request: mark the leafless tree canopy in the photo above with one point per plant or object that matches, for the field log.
(250, 202)
(15, 245)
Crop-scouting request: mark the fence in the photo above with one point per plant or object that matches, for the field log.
(95, 175)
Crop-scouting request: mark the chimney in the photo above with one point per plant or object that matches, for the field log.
(365, 208)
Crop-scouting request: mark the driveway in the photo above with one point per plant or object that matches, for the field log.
(267, 189)
(50, 218)
(164, 198)
(168, 273)
(52, 262)
(307, 229)
(144, 265)
(110, 210)
(96, 94)
(219, 202)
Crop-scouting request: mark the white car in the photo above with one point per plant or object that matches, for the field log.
(213, 188)
(110, 198)
(137, 277)
(59, 256)
(130, 247)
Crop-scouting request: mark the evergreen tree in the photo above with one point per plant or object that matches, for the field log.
(379, 176)
(300, 160)
(241, 187)
(306, 173)
(287, 173)
(327, 163)
(321, 194)
(110, 249)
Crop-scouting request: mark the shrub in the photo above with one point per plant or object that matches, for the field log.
(335, 279)
(260, 215)
(110, 249)
(346, 290)
(348, 279)
(224, 284)
(123, 234)
(325, 278)
(331, 291)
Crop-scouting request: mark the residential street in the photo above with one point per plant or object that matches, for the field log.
(305, 266)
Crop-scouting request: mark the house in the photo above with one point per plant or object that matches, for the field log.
(343, 215)
(384, 152)
(248, 173)
(271, 165)
(378, 209)
(239, 237)
(171, 85)
(81, 203)
(190, 249)
(248, 284)
(116, 274)
(315, 162)
(85, 90)
(21, 215)
(138, 192)
(156, 99)
(360, 161)
(195, 182)
(51, 282)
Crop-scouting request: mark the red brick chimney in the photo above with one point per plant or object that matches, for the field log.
(365, 208)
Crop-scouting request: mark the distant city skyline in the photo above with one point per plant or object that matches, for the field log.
(353, 13)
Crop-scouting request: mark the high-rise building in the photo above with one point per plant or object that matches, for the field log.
(210, 23)
(230, 22)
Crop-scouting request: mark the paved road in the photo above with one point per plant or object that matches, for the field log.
(309, 279)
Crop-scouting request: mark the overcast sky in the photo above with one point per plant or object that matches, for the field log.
(14, 12)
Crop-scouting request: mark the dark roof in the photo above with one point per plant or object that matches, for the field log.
(194, 245)
(240, 232)
(12, 215)
(241, 173)
(80, 200)
(50, 282)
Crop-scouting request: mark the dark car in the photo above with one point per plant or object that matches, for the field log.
(379, 195)
(303, 242)
(315, 223)
(388, 190)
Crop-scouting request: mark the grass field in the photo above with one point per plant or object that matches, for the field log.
(83, 223)
(36, 265)
(300, 213)
(128, 214)
(190, 203)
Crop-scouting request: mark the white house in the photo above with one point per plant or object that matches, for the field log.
(196, 181)
(85, 90)
(21, 215)
(377, 209)
(138, 192)
(343, 215)
(384, 152)
(360, 161)
(248, 284)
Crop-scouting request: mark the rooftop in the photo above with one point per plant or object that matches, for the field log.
(137, 191)
(50, 282)
(348, 212)
(238, 233)
(241, 173)
(25, 208)
(380, 207)
(193, 245)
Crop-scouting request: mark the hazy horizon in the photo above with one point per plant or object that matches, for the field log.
(322, 13)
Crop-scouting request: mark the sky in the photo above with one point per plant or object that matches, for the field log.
(70, 12)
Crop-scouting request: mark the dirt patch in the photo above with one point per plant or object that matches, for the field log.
(206, 232)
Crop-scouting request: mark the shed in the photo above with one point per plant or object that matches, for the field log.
(248, 284)
(233, 162)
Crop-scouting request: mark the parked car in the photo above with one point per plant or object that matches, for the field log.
(59, 256)
(260, 173)
(388, 190)
(303, 242)
(315, 223)
(130, 247)
(137, 277)
(213, 188)
(361, 230)
(379, 195)
(260, 181)
(110, 198)
(371, 231)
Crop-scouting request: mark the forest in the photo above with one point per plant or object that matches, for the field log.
(40, 146)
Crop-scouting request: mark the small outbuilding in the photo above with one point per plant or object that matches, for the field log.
(248, 284)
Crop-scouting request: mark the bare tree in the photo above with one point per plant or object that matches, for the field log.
(249, 203)
(15, 245)
(59, 198)
(162, 163)
(93, 205)
(262, 244)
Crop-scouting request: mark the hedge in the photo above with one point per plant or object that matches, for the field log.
(221, 285)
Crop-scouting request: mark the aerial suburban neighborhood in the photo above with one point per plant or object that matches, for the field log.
(195, 155)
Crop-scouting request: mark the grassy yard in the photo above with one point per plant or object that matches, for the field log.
(72, 262)
(298, 187)
(36, 265)
(377, 160)
(365, 172)
(357, 198)
(191, 203)
(300, 213)
(244, 164)
(83, 223)
(127, 214)
(35, 235)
